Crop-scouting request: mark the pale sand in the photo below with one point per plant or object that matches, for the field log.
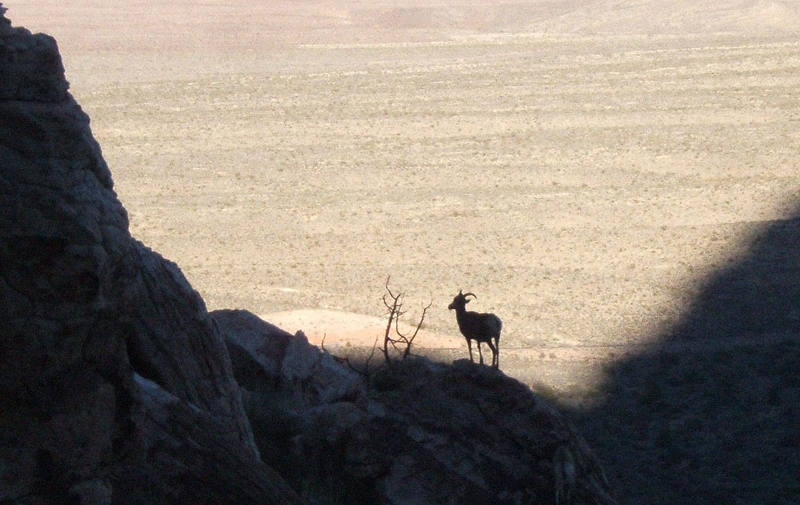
(582, 166)
(345, 328)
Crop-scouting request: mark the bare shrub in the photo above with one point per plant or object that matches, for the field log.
(396, 344)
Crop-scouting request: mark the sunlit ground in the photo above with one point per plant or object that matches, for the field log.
(581, 186)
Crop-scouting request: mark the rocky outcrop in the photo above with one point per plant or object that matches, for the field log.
(414, 432)
(85, 310)
(189, 460)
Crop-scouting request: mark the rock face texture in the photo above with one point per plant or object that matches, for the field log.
(414, 432)
(118, 387)
(109, 364)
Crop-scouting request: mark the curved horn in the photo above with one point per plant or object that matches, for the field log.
(468, 294)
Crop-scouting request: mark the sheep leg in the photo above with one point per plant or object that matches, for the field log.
(495, 353)
(480, 353)
(469, 346)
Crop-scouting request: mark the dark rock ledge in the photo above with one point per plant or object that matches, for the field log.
(414, 432)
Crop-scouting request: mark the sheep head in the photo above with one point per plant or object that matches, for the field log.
(460, 300)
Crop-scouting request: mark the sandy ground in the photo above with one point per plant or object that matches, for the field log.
(338, 329)
(581, 166)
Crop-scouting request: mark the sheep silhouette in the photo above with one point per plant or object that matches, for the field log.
(478, 326)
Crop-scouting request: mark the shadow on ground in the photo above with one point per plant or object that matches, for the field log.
(711, 414)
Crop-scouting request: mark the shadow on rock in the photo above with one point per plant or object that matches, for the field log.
(412, 432)
(711, 414)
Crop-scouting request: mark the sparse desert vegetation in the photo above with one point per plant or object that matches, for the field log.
(593, 180)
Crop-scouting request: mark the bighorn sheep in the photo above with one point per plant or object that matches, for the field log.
(481, 327)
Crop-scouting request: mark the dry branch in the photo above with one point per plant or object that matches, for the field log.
(400, 342)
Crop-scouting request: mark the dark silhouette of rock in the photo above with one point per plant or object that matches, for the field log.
(85, 310)
(413, 432)
(710, 412)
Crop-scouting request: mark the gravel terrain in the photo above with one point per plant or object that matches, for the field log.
(583, 183)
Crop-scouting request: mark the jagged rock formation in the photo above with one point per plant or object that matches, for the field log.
(115, 384)
(416, 432)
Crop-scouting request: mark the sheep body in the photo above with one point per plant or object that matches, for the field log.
(478, 326)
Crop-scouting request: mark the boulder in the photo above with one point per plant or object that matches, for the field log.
(266, 354)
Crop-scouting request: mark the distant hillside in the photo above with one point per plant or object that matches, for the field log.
(174, 26)
(672, 16)
(589, 16)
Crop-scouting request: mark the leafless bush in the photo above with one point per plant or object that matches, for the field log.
(400, 342)
(396, 344)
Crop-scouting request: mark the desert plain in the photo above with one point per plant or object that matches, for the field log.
(584, 167)
(581, 166)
